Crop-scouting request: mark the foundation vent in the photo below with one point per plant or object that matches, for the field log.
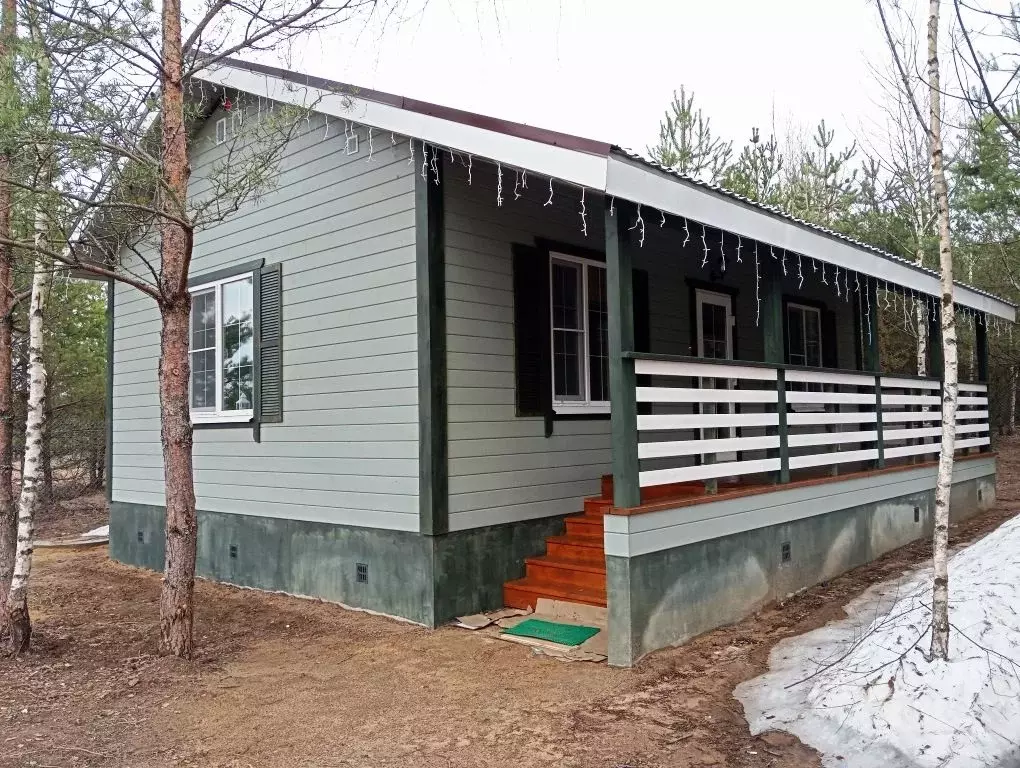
(141, 537)
(980, 495)
(233, 551)
(786, 554)
(917, 514)
(361, 570)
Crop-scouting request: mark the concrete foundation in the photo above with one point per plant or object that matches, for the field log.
(426, 579)
(664, 598)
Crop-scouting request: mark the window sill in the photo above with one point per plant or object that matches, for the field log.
(222, 419)
(565, 409)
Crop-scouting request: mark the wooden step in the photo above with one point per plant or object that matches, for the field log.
(597, 506)
(548, 570)
(588, 526)
(578, 549)
(524, 593)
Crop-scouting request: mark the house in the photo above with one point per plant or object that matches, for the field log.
(449, 362)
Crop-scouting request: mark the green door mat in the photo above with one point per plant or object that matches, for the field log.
(564, 634)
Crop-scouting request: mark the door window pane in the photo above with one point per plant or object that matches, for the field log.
(203, 350)
(598, 334)
(714, 331)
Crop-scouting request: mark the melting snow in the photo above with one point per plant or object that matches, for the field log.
(861, 690)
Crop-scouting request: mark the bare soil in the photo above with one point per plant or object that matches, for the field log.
(279, 681)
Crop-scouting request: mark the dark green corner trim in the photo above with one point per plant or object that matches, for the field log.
(433, 495)
(981, 347)
(109, 391)
(223, 274)
(936, 365)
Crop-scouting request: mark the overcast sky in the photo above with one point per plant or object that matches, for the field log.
(606, 69)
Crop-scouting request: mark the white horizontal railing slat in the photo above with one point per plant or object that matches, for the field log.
(666, 448)
(972, 401)
(973, 387)
(810, 419)
(838, 457)
(895, 416)
(973, 442)
(831, 398)
(825, 377)
(892, 382)
(910, 450)
(911, 400)
(972, 415)
(829, 438)
(705, 420)
(704, 370)
(706, 471)
(692, 395)
(891, 435)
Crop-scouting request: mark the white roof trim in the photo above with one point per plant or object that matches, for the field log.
(614, 176)
(655, 189)
(579, 168)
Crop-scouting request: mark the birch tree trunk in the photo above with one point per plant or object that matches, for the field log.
(176, 598)
(8, 515)
(28, 501)
(944, 483)
(922, 321)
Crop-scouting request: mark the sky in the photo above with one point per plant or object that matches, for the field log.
(607, 69)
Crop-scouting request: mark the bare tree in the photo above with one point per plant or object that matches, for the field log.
(133, 188)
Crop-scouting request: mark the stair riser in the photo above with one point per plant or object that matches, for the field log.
(576, 553)
(518, 597)
(587, 528)
(549, 572)
(596, 507)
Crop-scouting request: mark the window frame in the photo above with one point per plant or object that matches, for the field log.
(584, 405)
(217, 415)
(804, 308)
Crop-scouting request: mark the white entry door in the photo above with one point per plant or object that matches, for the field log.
(714, 313)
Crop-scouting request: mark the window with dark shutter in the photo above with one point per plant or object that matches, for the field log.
(269, 393)
(532, 358)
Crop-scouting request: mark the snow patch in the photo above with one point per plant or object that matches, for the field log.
(102, 531)
(862, 687)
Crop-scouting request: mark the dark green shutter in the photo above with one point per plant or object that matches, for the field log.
(269, 397)
(532, 353)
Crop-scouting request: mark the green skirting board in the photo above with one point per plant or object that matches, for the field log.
(564, 634)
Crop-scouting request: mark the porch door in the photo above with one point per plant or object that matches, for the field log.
(714, 312)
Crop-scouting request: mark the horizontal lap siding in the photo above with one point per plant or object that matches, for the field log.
(347, 450)
(502, 467)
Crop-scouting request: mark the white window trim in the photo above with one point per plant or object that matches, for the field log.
(217, 415)
(586, 406)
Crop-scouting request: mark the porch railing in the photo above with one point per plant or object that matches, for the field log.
(700, 419)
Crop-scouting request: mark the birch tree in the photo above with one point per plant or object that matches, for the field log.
(947, 312)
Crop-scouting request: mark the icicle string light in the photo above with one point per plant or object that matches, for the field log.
(704, 245)
(549, 201)
(846, 288)
(838, 294)
(425, 162)
(784, 262)
(687, 234)
(584, 215)
(824, 281)
(740, 244)
(612, 205)
(393, 139)
(435, 166)
(662, 222)
(371, 148)
(326, 134)
(524, 178)
(867, 311)
(757, 288)
(722, 250)
(410, 145)
(517, 185)
(800, 272)
(640, 223)
(499, 185)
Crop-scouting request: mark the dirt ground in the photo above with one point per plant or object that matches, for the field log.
(280, 681)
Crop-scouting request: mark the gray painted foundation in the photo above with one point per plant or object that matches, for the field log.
(667, 597)
(426, 579)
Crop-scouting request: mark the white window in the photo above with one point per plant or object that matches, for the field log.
(222, 351)
(804, 335)
(580, 335)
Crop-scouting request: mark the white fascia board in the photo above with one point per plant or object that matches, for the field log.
(655, 189)
(581, 168)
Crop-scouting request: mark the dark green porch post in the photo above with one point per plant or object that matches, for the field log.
(623, 397)
(775, 353)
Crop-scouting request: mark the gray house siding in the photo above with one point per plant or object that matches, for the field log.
(502, 467)
(347, 449)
